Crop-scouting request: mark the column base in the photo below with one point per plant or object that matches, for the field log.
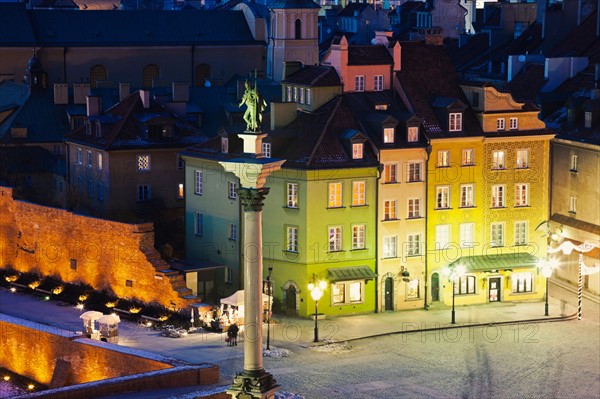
(253, 385)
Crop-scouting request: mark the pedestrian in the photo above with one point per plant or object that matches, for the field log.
(233, 330)
(229, 338)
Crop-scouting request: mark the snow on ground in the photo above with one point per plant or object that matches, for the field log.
(331, 345)
(8, 390)
(275, 352)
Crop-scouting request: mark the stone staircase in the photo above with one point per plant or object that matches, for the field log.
(176, 279)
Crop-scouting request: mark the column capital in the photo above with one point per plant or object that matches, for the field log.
(252, 198)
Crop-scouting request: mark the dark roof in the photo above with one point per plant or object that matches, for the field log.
(427, 74)
(371, 120)
(369, 55)
(68, 4)
(122, 28)
(293, 4)
(123, 127)
(579, 41)
(527, 83)
(353, 9)
(30, 159)
(314, 76)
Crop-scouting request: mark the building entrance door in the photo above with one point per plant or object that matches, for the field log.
(389, 293)
(435, 287)
(290, 301)
(495, 284)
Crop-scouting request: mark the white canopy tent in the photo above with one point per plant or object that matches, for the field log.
(237, 299)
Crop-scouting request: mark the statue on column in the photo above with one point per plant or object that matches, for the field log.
(255, 106)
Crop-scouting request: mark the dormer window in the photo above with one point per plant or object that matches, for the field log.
(98, 129)
(357, 150)
(413, 134)
(500, 124)
(288, 91)
(388, 135)
(266, 150)
(301, 99)
(455, 122)
(381, 107)
(224, 145)
(158, 131)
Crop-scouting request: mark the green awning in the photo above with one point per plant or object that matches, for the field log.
(350, 273)
(486, 263)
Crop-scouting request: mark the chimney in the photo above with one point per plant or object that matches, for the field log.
(94, 105)
(145, 96)
(123, 91)
(80, 92)
(397, 57)
(382, 37)
(181, 92)
(61, 93)
(282, 114)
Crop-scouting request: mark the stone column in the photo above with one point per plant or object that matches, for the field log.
(254, 381)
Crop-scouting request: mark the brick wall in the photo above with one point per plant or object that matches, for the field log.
(107, 254)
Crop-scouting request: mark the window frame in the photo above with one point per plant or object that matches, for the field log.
(358, 236)
(574, 159)
(499, 160)
(468, 160)
(291, 239)
(390, 170)
(412, 134)
(266, 150)
(389, 134)
(390, 247)
(513, 123)
(411, 166)
(498, 199)
(497, 234)
(467, 235)
(466, 285)
(335, 197)
(521, 195)
(292, 195)
(467, 195)
(572, 204)
(335, 241)
(390, 210)
(144, 192)
(198, 181)
(357, 150)
(500, 124)
(198, 224)
(443, 236)
(521, 233)
(231, 187)
(416, 205)
(359, 83)
(413, 246)
(343, 290)
(232, 231)
(143, 162)
(519, 164)
(359, 193)
(522, 282)
(378, 83)
(455, 121)
(443, 159)
(442, 197)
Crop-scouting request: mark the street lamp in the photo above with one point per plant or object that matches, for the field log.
(547, 268)
(269, 293)
(316, 292)
(454, 273)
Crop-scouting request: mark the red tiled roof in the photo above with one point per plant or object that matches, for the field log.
(427, 74)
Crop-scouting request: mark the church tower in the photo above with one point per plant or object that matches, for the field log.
(293, 36)
(35, 77)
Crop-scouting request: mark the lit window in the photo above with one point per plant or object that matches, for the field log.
(358, 236)
(335, 239)
(357, 151)
(467, 234)
(443, 197)
(455, 122)
(143, 162)
(198, 224)
(358, 193)
(413, 173)
(466, 195)
(335, 195)
(522, 159)
(500, 124)
(413, 246)
(389, 247)
(522, 282)
(338, 293)
(224, 145)
(232, 231)
(498, 158)
(180, 191)
(468, 158)
(573, 205)
(292, 239)
(442, 236)
(413, 134)
(308, 96)
(266, 150)
(347, 292)
(290, 97)
(465, 285)
(143, 192)
(521, 194)
(514, 123)
(301, 97)
(295, 94)
(497, 196)
(388, 135)
(79, 156)
(521, 233)
(414, 208)
(232, 194)
(443, 159)
(99, 161)
(359, 83)
(389, 172)
(292, 195)
(90, 159)
(389, 210)
(497, 234)
(573, 163)
(198, 182)
(378, 83)
(412, 289)
(587, 120)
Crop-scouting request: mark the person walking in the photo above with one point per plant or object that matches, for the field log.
(232, 332)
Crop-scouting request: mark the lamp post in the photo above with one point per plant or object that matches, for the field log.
(547, 268)
(316, 292)
(453, 273)
(269, 293)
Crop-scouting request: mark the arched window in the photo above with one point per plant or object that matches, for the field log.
(97, 72)
(151, 72)
(202, 73)
(298, 29)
